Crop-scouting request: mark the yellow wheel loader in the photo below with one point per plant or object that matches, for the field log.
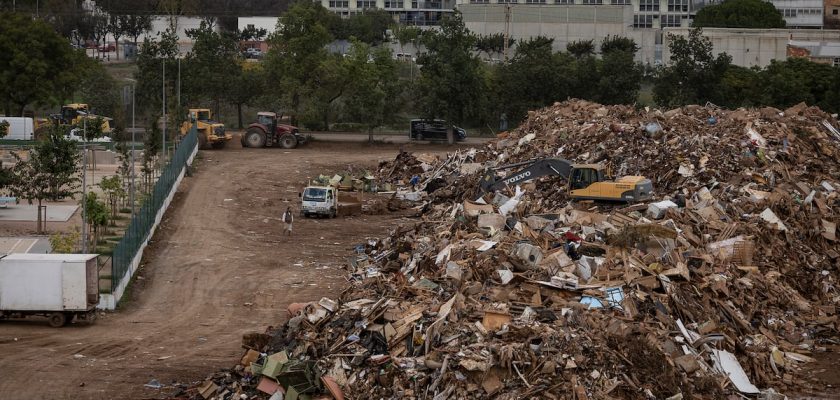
(210, 133)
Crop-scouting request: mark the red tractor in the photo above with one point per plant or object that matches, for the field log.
(267, 132)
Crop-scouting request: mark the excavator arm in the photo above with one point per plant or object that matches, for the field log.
(535, 169)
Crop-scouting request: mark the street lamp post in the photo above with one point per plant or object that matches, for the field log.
(84, 188)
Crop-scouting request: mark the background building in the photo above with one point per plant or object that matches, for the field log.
(407, 12)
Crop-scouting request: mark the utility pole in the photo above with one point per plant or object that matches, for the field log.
(133, 130)
(84, 188)
(163, 90)
(507, 31)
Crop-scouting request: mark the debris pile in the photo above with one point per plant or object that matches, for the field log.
(724, 284)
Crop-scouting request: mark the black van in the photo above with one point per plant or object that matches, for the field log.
(424, 129)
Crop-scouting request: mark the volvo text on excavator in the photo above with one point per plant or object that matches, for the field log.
(585, 181)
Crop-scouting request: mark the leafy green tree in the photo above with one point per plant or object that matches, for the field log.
(620, 76)
(585, 73)
(370, 26)
(619, 43)
(4, 129)
(373, 93)
(212, 63)
(494, 43)
(248, 87)
(796, 80)
(452, 83)
(740, 14)
(96, 216)
(581, 48)
(332, 79)
(149, 76)
(535, 77)
(298, 47)
(65, 242)
(36, 64)
(102, 93)
(113, 188)
(406, 34)
(693, 75)
(50, 173)
(742, 87)
(251, 33)
(116, 28)
(136, 25)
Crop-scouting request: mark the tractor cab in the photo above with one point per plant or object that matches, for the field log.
(269, 119)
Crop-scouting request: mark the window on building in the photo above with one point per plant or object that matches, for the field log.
(534, 1)
(788, 12)
(678, 5)
(508, 1)
(593, 1)
(836, 62)
(479, 1)
(564, 1)
(643, 21)
(393, 3)
(667, 21)
(339, 4)
(620, 2)
(365, 3)
(648, 5)
(834, 11)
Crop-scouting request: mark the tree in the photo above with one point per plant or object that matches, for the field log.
(116, 28)
(101, 92)
(212, 63)
(4, 129)
(741, 87)
(795, 80)
(298, 47)
(331, 78)
(693, 75)
(112, 186)
(101, 27)
(96, 216)
(406, 34)
(249, 85)
(581, 48)
(620, 76)
(618, 43)
(136, 25)
(373, 93)
(452, 83)
(536, 76)
(50, 173)
(740, 14)
(37, 65)
(149, 76)
(494, 43)
(370, 26)
(65, 242)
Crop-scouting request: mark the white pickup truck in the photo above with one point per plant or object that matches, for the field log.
(319, 200)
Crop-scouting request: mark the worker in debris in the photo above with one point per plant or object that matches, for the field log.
(288, 218)
(572, 244)
(414, 181)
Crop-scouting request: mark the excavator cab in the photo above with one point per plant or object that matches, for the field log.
(584, 176)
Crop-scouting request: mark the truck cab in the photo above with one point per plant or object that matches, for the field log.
(319, 200)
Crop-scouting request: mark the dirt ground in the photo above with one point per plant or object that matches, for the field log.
(218, 268)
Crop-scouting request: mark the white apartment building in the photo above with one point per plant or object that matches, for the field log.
(407, 12)
(801, 13)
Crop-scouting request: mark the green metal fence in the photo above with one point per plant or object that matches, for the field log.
(141, 224)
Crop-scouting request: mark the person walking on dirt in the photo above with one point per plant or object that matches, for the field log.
(288, 218)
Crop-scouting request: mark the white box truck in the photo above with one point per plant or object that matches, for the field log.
(58, 286)
(20, 128)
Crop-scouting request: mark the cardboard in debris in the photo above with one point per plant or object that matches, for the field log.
(494, 321)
